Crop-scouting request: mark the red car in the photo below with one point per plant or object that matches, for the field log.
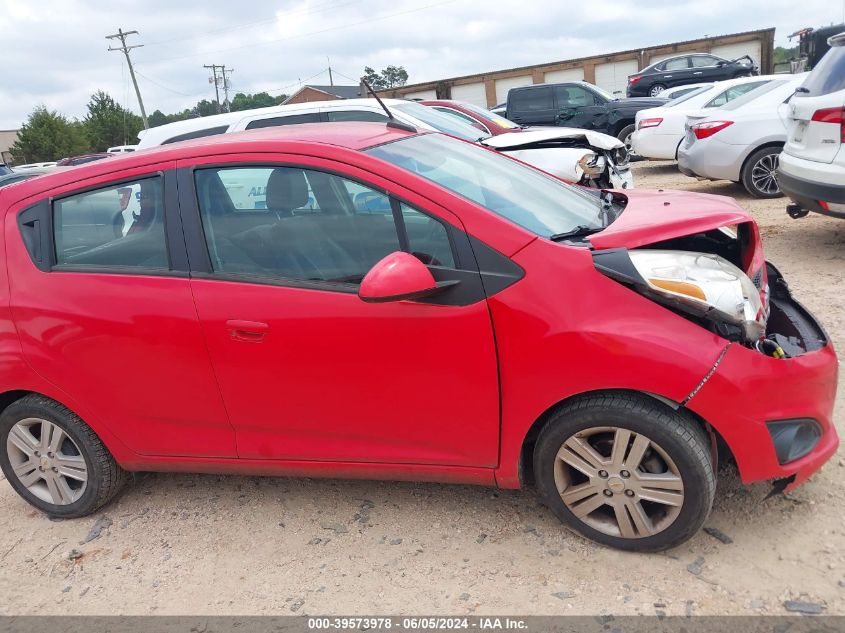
(483, 119)
(360, 300)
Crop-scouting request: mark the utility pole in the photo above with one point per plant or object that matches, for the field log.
(121, 35)
(226, 101)
(216, 83)
(224, 79)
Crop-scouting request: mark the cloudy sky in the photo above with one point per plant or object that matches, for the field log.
(54, 52)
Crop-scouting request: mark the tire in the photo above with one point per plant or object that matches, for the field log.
(599, 421)
(656, 89)
(54, 483)
(758, 173)
(625, 136)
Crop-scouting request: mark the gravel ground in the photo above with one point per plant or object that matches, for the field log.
(192, 544)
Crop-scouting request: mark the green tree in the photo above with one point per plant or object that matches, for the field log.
(243, 101)
(48, 135)
(390, 77)
(108, 123)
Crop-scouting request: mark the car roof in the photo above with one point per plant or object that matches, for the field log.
(299, 138)
(157, 135)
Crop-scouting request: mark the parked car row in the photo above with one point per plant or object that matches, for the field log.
(773, 134)
(590, 159)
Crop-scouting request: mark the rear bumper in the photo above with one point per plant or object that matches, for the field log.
(761, 389)
(711, 159)
(807, 193)
(655, 146)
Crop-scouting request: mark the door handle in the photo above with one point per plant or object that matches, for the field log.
(247, 331)
(698, 73)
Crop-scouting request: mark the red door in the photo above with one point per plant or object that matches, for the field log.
(105, 312)
(308, 371)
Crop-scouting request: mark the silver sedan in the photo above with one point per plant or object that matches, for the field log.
(741, 141)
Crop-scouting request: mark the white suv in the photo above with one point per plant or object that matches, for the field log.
(812, 165)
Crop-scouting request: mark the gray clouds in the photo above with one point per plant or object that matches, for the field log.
(54, 51)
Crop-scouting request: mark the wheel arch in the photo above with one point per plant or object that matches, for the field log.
(116, 447)
(526, 455)
(753, 151)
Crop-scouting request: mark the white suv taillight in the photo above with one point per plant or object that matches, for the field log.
(709, 128)
(832, 115)
(649, 123)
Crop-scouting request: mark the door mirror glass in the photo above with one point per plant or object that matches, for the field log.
(398, 276)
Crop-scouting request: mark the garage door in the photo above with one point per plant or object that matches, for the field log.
(613, 77)
(422, 94)
(471, 93)
(732, 51)
(503, 85)
(562, 76)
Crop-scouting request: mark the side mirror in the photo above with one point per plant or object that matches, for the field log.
(397, 277)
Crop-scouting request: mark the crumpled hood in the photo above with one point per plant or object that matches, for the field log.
(654, 216)
(535, 135)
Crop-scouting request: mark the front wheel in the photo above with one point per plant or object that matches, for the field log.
(759, 174)
(54, 460)
(625, 135)
(626, 471)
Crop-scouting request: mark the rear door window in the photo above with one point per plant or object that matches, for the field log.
(335, 116)
(681, 63)
(291, 119)
(532, 99)
(114, 227)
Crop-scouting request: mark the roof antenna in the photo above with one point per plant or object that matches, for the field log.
(391, 120)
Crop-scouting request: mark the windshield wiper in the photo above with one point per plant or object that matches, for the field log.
(582, 230)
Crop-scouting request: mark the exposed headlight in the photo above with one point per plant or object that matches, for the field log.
(592, 165)
(621, 156)
(704, 284)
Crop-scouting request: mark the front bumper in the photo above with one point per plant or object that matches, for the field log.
(748, 389)
(807, 193)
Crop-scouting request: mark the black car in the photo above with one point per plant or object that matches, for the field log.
(576, 104)
(688, 69)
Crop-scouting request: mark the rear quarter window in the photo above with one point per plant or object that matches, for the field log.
(829, 75)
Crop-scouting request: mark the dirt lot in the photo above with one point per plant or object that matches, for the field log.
(189, 544)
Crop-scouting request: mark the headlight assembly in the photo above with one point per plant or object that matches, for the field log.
(701, 284)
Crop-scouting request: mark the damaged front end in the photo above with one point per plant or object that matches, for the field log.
(720, 280)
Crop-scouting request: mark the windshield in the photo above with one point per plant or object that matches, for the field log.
(828, 75)
(490, 116)
(604, 93)
(521, 194)
(441, 122)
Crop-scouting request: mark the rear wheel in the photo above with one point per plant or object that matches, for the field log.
(759, 174)
(54, 460)
(656, 89)
(626, 471)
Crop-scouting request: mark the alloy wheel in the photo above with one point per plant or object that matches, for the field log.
(619, 482)
(46, 461)
(764, 174)
(656, 90)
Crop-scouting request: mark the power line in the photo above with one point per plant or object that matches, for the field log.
(161, 85)
(320, 32)
(297, 83)
(121, 35)
(316, 9)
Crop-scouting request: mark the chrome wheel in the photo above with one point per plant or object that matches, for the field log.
(656, 90)
(619, 482)
(46, 461)
(764, 174)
